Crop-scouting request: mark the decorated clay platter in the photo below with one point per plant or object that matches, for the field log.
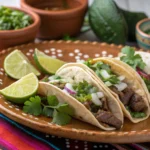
(71, 52)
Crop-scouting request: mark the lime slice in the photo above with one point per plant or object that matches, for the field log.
(46, 63)
(21, 90)
(17, 65)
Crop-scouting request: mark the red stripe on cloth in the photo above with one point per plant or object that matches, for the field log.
(20, 140)
(7, 145)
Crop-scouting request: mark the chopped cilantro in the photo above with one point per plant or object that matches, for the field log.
(84, 90)
(83, 98)
(60, 112)
(132, 59)
(136, 114)
(98, 67)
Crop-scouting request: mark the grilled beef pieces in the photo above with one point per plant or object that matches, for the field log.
(108, 118)
(103, 115)
(129, 98)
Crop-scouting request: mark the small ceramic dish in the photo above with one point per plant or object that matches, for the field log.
(143, 33)
(58, 18)
(20, 36)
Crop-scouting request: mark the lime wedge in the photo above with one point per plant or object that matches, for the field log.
(46, 63)
(17, 65)
(21, 90)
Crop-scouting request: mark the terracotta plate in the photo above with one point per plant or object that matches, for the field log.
(71, 51)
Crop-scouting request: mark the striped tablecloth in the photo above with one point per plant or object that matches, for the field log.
(14, 136)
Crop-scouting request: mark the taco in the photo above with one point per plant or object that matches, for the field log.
(124, 86)
(138, 62)
(131, 95)
(92, 102)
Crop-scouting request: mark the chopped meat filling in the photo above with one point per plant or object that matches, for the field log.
(137, 103)
(59, 85)
(108, 118)
(103, 115)
(129, 98)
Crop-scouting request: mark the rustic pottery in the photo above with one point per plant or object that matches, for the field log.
(142, 37)
(55, 23)
(71, 52)
(16, 37)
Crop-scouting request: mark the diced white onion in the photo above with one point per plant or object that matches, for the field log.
(100, 94)
(121, 78)
(51, 78)
(96, 100)
(69, 88)
(54, 81)
(121, 86)
(107, 83)
(104, 74)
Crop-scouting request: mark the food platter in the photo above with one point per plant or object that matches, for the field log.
(71, 51)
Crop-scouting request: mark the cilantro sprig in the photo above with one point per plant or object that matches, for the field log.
(50, 107)
(132, 59)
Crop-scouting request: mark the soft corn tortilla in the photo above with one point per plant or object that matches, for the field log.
(81, 112)
(130, 79)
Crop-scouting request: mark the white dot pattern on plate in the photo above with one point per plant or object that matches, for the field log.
(28, 54)
(80, 54)
(53, 53)
(24, 114)
(110, 56)
(10, 106)
(76, 50)
(104, 52)
(60, 55)
(71, 54)
(1, 69)
(86, 56)
(30, 50)
(52, 49)
(59, 51)
(97, 55)
(77, 57)
(1, 73)
(46, 51)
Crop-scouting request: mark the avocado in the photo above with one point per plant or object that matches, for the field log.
(108, 22)
(132, 18)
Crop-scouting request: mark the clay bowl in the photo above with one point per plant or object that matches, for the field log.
(142, 37)
(16, 37)
(57, 22)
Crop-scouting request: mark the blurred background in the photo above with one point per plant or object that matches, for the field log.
(133, 5)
